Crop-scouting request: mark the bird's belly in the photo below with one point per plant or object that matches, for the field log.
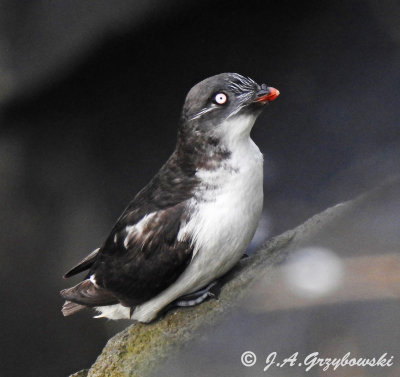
(224, 222)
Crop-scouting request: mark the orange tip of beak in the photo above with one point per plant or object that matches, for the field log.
(272, 94)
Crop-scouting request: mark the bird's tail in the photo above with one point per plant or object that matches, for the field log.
(85, 294)
(70, 308)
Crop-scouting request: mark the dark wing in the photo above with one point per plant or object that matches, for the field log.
(142, 255)
(83, 265)
(139, 261)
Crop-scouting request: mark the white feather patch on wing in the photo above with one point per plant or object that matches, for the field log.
(92, 278)
(136, 231)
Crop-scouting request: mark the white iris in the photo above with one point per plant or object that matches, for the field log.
(221, 98)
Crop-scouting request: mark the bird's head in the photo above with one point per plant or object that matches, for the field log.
(225, 106)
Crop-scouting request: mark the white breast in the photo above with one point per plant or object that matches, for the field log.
(226, 213)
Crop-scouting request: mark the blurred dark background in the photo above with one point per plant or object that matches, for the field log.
(90, 96)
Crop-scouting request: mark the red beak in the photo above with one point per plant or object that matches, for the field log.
(272, 94)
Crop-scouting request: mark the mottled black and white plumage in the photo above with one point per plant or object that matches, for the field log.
(194, 219)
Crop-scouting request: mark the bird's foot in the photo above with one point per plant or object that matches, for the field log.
(212, 290)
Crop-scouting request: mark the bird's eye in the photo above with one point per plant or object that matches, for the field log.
(220, 98)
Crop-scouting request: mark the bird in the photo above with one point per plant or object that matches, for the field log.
(195, 218)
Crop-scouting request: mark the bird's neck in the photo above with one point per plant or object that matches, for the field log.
(201, 152)
(235, 131)
(207, 150)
